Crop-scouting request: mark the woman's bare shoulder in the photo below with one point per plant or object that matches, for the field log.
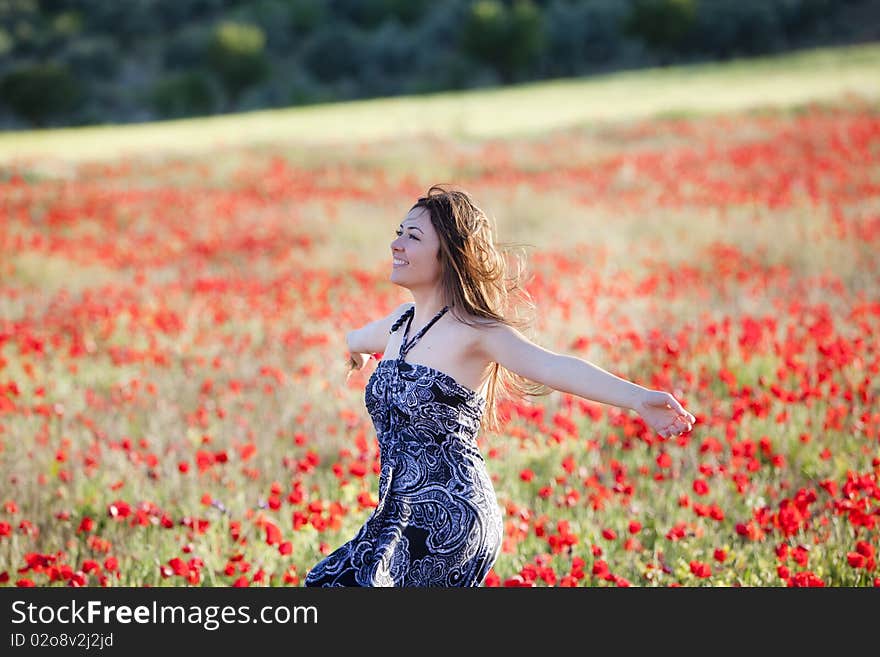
(476, 322)
(476, 330)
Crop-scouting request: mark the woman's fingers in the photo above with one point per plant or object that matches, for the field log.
(682, 422)
(672, 403)
(685, 416)
(676, 427)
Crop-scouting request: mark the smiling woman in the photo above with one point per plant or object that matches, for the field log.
(437, 522)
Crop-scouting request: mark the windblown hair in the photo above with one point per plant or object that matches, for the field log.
(483, 279)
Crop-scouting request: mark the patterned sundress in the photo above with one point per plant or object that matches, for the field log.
(437, 522)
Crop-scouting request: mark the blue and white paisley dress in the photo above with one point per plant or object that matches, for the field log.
(437, 522)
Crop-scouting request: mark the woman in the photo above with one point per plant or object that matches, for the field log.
(437, 522)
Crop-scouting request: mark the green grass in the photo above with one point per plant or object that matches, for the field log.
(789, 80)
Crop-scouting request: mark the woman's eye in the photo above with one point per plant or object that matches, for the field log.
(399, 232)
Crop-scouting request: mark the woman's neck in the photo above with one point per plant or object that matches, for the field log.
(428, 303)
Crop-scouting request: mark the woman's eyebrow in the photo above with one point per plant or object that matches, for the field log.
(415, 227)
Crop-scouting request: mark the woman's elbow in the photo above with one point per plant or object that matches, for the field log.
(350, 340)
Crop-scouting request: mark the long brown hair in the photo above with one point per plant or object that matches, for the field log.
(483, 279)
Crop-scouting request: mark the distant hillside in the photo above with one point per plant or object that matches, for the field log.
(792, 80)
(86, 62)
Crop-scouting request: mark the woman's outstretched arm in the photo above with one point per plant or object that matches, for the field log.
(515, 352)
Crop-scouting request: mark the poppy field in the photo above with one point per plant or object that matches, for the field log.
(174, 409)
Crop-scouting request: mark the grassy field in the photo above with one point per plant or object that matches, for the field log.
(792, 80)
(173, 405)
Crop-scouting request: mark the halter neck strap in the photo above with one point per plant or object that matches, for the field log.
(405, 345)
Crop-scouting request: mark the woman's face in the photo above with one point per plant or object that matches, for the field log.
(415, 250)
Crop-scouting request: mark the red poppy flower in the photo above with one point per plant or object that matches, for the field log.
(856, 560)
(865, 549)
(700, 569)
(273, 533)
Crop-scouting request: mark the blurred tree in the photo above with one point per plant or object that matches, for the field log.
(184, 94)
(67, 24)
(407, 12)
(745, 27)
(307, 15)
(371, 13)
(509, 37)
(390, 53)
(661, 24)
(185, 48)
(333, 52)
(438, 61)
(583, 36)
(7, 43)
(273, 17)
(236, 53)
(92, 56)
(127, 22)
(173, 14)
(37, 92)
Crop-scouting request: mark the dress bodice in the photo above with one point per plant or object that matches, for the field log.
(399, 393)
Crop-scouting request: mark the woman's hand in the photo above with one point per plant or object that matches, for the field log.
(356, 361)
(662, 412)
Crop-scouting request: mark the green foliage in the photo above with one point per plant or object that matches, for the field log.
(185, 94)
(334, 52)
(67, 24)
(127, 22)
(372, 13)
(662, 24)
(7, 43)
(236, 53)
(407, 12)
(306, 15)
(582, 37)
(92, 57)
(363, 48)
(186, 47)
(745, 27)
(273, 17)
(509, 37)
(40, 91)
